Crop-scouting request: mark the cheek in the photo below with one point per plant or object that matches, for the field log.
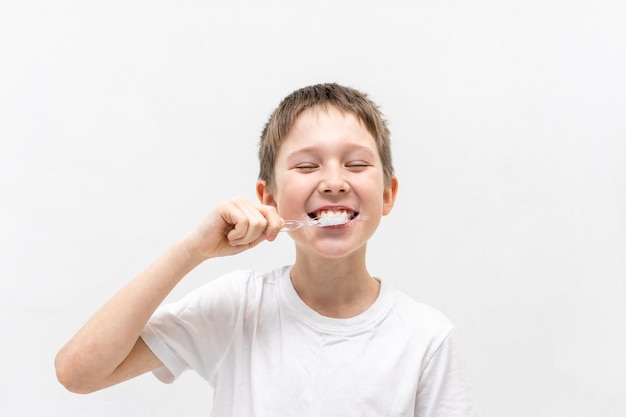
(299, 184)
(290, 196)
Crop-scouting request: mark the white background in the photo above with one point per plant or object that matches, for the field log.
(122, 123)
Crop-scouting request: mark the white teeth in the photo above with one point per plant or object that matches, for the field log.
(332, 213)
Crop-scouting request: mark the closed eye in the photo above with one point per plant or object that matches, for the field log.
(357, 166)
(306, 167)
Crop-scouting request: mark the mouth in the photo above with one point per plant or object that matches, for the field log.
(334, 217)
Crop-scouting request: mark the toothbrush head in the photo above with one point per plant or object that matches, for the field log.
(336, 219)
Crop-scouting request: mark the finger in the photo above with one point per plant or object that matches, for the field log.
(250, 224)
(246, 246)
(274, 222)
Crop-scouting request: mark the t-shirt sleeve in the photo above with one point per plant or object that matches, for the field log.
(443, 388)
(195, 332)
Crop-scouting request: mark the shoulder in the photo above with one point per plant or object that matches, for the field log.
(417, 314)
(234, 287)
(419, 322)
(217, 305)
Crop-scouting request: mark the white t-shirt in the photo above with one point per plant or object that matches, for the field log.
(266, 353)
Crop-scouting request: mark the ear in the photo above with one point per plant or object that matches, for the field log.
(389, 196)
(264, 194)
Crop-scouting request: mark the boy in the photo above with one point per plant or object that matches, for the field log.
(318, 338)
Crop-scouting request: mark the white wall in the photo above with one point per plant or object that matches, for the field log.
(123, 122)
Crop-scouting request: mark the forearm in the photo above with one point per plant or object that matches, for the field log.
(106, 340)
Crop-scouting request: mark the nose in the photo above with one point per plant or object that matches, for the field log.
(333, 182)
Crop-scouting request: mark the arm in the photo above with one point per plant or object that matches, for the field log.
(108, 349)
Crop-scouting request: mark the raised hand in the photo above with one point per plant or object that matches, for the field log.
(233, 227)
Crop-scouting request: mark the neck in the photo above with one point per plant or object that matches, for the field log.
(338, 288)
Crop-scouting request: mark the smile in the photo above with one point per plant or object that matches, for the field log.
(321, 214)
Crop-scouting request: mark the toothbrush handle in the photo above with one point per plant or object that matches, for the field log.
(292, 225)
(296, 224)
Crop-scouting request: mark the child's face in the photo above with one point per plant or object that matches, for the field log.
(329, 162)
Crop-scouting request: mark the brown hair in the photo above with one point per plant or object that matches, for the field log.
(322, 95)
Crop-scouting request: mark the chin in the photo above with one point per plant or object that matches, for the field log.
(334, 250)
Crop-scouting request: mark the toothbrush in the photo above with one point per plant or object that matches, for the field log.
(325, 221)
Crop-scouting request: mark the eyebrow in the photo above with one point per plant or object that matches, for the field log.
(351, 148)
